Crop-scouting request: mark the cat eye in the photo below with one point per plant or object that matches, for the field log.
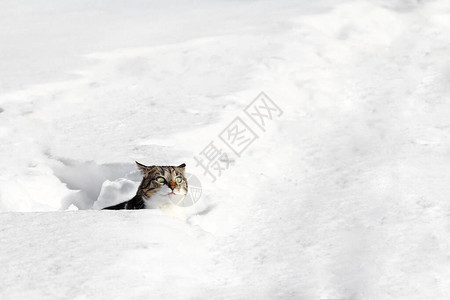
(178, 180)
(160, 179)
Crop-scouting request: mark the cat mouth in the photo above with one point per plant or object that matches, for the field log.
(176, 198)
(172, 194)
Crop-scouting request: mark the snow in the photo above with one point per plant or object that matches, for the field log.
(342, 196)
(135, 253)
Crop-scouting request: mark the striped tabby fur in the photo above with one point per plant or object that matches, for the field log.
(160, 185)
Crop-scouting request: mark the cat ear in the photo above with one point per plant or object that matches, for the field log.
(141, 166)
(182, 166)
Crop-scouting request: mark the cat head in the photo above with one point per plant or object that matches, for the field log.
(162, 180)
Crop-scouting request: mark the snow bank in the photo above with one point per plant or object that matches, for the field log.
(92, 255)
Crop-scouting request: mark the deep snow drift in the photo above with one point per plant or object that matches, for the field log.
(342, 194)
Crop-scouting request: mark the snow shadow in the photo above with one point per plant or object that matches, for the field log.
(87, 179)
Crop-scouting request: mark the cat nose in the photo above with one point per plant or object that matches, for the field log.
(172, 185)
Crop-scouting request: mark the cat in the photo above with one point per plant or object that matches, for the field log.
(161, 187)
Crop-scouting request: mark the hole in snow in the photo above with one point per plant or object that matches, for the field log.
(88, 180)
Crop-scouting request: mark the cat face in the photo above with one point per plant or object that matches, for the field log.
(163, 180)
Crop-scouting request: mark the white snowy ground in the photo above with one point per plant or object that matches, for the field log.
(345, 196)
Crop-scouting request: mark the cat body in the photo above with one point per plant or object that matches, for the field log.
(161, 187)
